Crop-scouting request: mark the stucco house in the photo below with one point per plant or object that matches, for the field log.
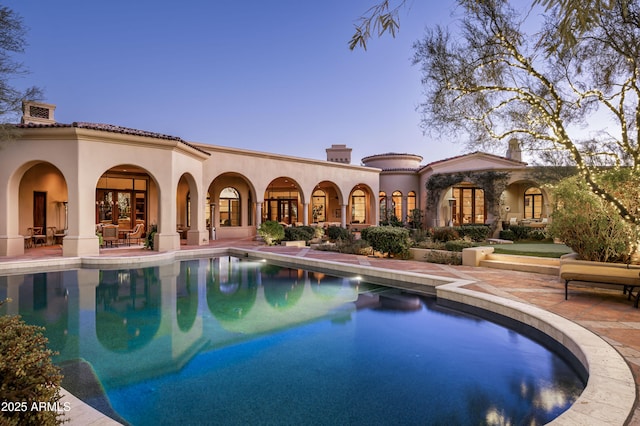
(66, 179)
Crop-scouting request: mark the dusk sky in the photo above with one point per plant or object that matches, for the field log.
(273, 76)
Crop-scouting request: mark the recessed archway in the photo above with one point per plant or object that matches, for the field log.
(283, 199)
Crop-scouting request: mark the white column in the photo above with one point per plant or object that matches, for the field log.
(258, 213)
(343, 215)
(305, 214)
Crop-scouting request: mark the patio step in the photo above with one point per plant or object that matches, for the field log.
(537, 265)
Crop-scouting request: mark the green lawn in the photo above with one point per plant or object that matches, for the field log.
(540, 249)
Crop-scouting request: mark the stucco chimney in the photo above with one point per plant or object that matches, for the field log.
(514, 152)
(339, 154)
(37, 113)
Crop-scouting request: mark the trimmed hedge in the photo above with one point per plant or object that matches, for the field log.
(299, 233)
(389, 240)
(337, 233)
(476, 233)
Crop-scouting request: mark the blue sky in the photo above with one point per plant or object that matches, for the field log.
(273, 76)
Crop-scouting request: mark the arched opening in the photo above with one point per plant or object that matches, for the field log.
(282, 202)
(42, 205)
(123, 196)
(231, 207)
(325, 203)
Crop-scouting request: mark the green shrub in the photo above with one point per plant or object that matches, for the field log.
(337, 233)
(520, 232)
(148, 241)
(360, 247)
(271, 232)
(415, 219)
(507, 234)
(390, 240)
(591, 227)
(443, 257)
(458, 245)
(476, 233)
(27, 375)
(299, 233)
(419, 235)
(445, 233)
(537, 235)
(318, 231)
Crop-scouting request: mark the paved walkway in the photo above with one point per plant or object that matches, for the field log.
(604, 312)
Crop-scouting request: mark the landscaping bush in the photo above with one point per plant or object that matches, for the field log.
(337, 233)
(420, 235)
(520, 232)
(458, 245)
(445, 233)
(390, 240)
(299, 233)
(443, 257)
(590, 226)
(360, 247)
(476, 233)
(27, 375)
(148, 241)
(271, 232)
(507, 234)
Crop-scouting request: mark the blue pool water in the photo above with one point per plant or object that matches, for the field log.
(230, 341)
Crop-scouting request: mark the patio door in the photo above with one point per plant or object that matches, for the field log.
(40, 210)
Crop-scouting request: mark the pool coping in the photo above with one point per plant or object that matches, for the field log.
(608, 398)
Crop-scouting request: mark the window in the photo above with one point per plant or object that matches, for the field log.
(532, 203)
(411, 204)
(229, 207)
(396, 201)
(319, 206)
(358, 203)
(383, 205)
(469, 206)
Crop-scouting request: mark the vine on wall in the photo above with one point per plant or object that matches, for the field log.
(493, 183)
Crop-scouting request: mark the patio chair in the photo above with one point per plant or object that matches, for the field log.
(136, 234)
(38, 236)
(109, 235)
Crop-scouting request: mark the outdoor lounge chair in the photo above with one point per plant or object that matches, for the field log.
(136, 234)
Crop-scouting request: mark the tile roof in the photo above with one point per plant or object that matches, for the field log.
(110, 128)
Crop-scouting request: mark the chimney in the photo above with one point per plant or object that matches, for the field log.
(339, 154)
(37, 113)
(514, 152)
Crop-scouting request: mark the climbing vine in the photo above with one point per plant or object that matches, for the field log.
(493, 183)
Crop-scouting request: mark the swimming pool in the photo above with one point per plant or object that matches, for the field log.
(238, 341)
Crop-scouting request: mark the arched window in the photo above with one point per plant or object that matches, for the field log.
(358, 204)
(382, 197)
(532, 203)
(229, 207)
(411, 204)
(396, 200)
(319, 206)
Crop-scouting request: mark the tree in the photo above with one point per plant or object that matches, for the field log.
(495, 82)
(12, 42)
(578, 16)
